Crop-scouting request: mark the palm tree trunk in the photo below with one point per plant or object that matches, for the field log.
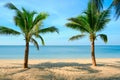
(93, 53)
(26, 55)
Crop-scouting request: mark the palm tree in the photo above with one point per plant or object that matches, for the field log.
(90, 23)
(30, 26)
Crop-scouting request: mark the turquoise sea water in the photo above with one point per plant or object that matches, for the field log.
(59, 52)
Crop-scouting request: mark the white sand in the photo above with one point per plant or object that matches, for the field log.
(62, 69)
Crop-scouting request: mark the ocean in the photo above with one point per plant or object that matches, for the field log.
(60, 52)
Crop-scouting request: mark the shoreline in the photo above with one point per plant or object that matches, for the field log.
(84, 60)
(53, 58)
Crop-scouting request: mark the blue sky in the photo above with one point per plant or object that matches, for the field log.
(59, 11)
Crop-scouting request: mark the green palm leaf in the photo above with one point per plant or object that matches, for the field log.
(37, 22)
(40, 37)
(98, 3)
(80, 24)
(35, 43)
(103, 19)
(103, 37)
(116, 4)
(77, 37)
(11, 6)
(73, 26)
(28, 19)
(5, 30)
(40, 17)
(91, 16)
(42, 40)
(49, 29)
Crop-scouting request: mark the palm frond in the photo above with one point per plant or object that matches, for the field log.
(19, 18)
(116, 4)
(103, 19)
(43, 43)
(49, 29)
(5, 30)
(91, 15)
(40, 17)
(82, 23)
(73, 25)
(11, 6)
(37, 22)
(35, 43)
(24, 20)
(29, 16)
(20, 22)
(40, 37)
(103, 37)
(77, 37)
(75, 20)
(98, 3)
(35, 29)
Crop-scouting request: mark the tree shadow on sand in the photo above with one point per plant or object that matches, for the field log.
(60, 65)
(114, 77)
(49, 65)
(83, 67)
(13, 67)
(3, 77)
(19, 71)
(115, 65)
(17, 66)
(46, 66)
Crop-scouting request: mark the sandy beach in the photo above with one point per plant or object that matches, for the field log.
(60, 69)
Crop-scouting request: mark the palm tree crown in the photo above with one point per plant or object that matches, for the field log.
(90, 22)
(30, 25)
